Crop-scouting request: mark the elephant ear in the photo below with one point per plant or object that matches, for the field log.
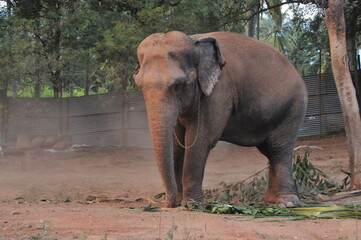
(210, 63)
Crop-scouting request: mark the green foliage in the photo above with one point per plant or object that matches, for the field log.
(248, 210)
(283, 37)
(301, 39)
(149, 208)
(297, 213)
(312, 54)
(328, 211)
(247, 191)
(310, 181)
(91, 45)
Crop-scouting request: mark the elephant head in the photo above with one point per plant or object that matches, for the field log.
(174, 70)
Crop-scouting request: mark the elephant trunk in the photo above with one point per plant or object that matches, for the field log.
(162, 115)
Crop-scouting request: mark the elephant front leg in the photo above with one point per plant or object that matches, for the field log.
(178, 139)
(193, 172)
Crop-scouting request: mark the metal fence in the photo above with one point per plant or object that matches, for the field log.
(120, 119)
(117, 119)
(324, 113)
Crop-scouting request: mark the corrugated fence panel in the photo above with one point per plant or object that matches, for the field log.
(105, 138)
(139, 138)
(95, 123)
(333, 123)
(314, 105)
(135, 101)
(324, 113)
(96, 104)
(97, 119)
(35, 107)
(120, 119)
(311, 126)
(137, 121)
(330, 86)
(33, 116)
(330, 104)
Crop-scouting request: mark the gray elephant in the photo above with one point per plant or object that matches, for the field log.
(203, 88)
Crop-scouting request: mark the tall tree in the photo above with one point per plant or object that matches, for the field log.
(3, 47)
(311, 53)
(279, 34)
(10, 75)
(353, 27)
(335, 22)
(48, 15)
(254, 19)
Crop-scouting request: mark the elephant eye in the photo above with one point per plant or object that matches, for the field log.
(173, 55)
(178, 88)
(179, 84)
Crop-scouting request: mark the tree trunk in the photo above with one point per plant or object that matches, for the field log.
(37, 60)
(11, 73)
(335, 23)
(253, 21)
(57, 84)
(57, 79)
(86, 77)
(52, 47)
(37, 75)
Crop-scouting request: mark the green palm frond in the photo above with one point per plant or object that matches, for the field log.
(328, 211)
(310, 211)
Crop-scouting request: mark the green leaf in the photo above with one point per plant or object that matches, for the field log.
(149, 208)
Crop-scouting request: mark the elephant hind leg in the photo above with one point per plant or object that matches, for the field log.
(282, 188)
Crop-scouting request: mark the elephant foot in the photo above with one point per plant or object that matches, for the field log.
(284, 200)
(170, 201)
(192, 204)
(179, 200)
(194, 201)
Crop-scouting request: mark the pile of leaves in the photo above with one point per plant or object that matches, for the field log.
(310, 181)
(243, 198)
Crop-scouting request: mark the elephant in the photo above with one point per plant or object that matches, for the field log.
(221, 86)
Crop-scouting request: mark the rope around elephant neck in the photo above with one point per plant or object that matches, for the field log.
(197, 130)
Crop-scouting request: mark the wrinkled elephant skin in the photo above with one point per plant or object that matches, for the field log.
(219, 86)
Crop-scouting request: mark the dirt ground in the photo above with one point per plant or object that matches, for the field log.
(43, 196)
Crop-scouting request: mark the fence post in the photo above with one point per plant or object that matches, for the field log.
(67, 119)
(124, 120)
(358, 87)
(3, 116)
(322, 84)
